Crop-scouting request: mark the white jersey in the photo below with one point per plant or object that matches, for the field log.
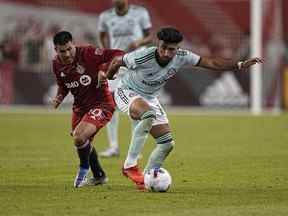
(123, 30)
(146, 77)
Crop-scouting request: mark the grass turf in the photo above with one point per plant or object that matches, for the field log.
(221, 165)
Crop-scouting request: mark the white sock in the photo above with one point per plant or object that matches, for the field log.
(112, 131)
(158, 155)
(139, 136)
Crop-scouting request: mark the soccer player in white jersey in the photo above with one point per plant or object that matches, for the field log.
(148, 71)
(126, 27)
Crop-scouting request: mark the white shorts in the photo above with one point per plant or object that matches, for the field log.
(125, 97)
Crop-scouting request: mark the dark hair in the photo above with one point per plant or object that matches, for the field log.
(170, 35)
(62, 37)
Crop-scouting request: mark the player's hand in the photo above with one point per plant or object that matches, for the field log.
(243, 65)
(132, 46)
(55, 102)
(101, 78)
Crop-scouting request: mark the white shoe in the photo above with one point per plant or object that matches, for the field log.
(81, 178)
(110, 152)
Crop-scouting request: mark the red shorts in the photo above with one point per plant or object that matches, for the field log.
(97, 116)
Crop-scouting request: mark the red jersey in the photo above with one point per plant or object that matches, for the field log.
(81, 78)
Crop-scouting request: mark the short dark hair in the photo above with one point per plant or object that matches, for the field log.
(170, 35)
(62, 37)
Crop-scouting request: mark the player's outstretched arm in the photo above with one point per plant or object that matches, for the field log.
(115, 64)
(56, 101)
(61, 94)
(243, 65)
(222, 64)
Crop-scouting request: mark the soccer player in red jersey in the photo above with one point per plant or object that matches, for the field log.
(77, 70)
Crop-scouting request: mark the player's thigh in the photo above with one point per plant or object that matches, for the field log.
(161, 116)
(84, 131)
(92, 122)
(131, 103)
(159, 130)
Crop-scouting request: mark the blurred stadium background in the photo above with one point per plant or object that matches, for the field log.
(211, 27)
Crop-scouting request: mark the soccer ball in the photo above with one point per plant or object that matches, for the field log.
(157, 180)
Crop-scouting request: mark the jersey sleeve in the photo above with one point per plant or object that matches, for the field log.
(129, 60)
(109, 54)
(188, 57)
(145, 20)
(101, 55)
(102, 27)
(133, 59)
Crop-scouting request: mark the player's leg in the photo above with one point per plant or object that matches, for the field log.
(140, 111)
(142, 116)
(99, 176)
(89, 126)
(81, 136)
(112, 133)
(98, 116)
(112, 127)
(162, 135)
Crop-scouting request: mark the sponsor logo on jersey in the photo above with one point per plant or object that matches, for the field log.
(73, 84)
(85, 80)
(123, 32)
(154, 83)
(171, 72)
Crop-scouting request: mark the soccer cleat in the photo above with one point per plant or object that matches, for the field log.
(110, 152)
(135, 174)
(141, 187)
(97, 181)
(81, 178)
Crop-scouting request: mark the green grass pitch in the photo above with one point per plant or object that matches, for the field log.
(221, 165)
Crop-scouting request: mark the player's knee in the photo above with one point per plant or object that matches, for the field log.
(78, 138)
(139, 110)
